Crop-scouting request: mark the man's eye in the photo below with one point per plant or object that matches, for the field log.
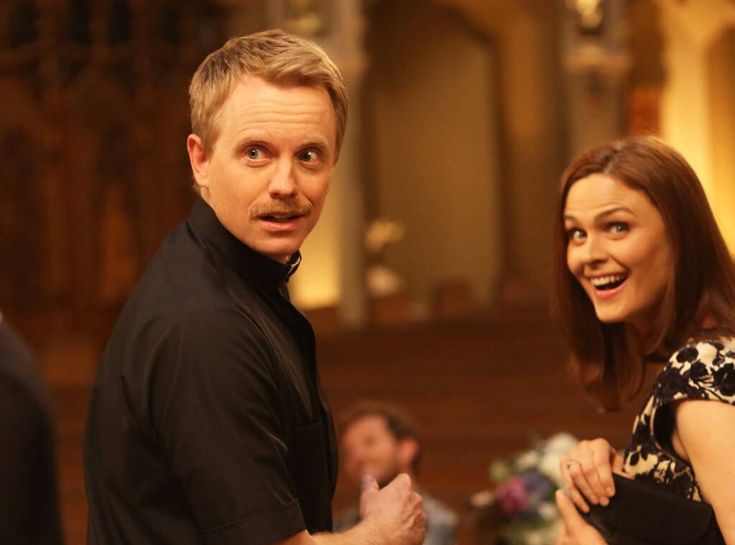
(309, 156)
(253, 153)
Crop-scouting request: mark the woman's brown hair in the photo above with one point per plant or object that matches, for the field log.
(608, 358)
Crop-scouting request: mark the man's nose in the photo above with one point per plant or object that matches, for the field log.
(283, 183)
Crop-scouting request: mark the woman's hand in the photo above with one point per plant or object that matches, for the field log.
(575, 530)
(587, 471)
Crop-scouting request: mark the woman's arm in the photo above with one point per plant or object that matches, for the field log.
(705, 436)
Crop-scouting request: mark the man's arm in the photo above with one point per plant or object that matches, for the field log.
(391, 516)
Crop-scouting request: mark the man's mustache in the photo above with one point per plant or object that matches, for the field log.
(290, 207)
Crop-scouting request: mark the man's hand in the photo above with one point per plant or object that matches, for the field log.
(395, 511)
(391, 516)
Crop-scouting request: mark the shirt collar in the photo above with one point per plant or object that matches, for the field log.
(248, 263)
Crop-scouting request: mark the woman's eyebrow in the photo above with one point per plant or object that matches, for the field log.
(602, 214)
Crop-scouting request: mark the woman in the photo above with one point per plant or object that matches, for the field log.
(644, 278)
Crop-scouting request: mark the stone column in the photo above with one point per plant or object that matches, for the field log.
(596, 62)
(690, 29)
(690, 106)
(345, 47)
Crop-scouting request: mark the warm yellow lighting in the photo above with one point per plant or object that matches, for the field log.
(699, 98)
(317, 282)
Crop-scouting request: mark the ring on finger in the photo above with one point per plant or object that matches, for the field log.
(570, 462)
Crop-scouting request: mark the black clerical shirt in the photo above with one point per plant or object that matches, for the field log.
(207, 423)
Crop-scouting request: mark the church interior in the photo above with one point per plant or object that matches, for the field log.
(427, 277)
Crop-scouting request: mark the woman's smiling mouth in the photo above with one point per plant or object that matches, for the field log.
(608, 282)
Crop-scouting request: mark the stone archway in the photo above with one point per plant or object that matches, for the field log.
(432, 146)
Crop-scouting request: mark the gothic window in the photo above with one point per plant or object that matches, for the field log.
(76, 62)
(22, 225)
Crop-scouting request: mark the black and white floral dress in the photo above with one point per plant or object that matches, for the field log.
(703, 369)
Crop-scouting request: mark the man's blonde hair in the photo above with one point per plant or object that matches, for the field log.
(272, 55)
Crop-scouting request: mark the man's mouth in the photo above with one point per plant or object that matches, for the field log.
(608, 282)
(280, 217)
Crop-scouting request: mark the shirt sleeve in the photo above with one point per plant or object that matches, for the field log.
(705, 370)
(214, 405)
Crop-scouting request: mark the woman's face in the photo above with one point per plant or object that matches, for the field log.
(618, 250)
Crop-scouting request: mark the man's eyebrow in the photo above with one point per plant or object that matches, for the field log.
(263, 137)
(315, 142)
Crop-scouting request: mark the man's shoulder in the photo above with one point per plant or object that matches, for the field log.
(180, 281)
(181, 295)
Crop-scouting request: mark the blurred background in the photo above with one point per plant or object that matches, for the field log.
(427, 278)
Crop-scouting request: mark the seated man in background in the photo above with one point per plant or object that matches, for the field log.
(29, 513)
(381, 440)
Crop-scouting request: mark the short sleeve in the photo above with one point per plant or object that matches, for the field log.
(704, 370)
(214, 406)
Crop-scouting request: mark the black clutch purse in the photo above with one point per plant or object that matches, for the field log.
(642, 514)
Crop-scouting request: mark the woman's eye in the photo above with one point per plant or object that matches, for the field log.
(575, 235)
(618, 228)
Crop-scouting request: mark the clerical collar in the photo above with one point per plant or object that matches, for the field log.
(248, 263)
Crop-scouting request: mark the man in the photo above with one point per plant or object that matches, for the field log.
(29, 513)
(381, 440)
(207, 423)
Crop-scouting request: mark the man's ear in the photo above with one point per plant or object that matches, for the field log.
(408, 450)
(198, 160)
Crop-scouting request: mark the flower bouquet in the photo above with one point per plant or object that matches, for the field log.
(523, 492)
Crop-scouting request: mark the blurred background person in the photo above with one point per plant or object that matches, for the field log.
(28, 500)
(382, 440)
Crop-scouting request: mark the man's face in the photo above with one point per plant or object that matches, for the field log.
(268, 173)
(370, 448)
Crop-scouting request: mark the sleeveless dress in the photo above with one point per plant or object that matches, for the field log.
(703, 369)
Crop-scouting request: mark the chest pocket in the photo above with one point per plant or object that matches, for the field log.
(307, 457)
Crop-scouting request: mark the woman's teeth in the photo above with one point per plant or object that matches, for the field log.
(608, 282)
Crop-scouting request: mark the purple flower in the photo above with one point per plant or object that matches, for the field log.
(511, 496)
(537, 485)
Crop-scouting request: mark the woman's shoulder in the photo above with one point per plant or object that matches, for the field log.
(710, 352)
(701, 369)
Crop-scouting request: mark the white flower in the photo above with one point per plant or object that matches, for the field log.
(548, 511)
(535, 538)
(549, 466)
(527, 460)
(560, 443)
(556, 447)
